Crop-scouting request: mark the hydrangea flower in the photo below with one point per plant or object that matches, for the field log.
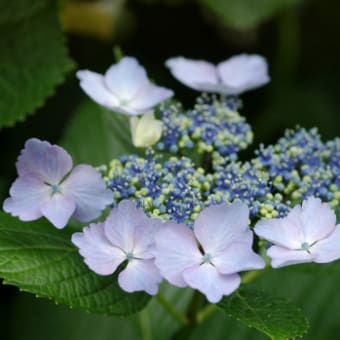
(225, 248)
(126, 235)
(233, 76)
(307, 234)
(124, 88)
(146, 130)
(47, 186)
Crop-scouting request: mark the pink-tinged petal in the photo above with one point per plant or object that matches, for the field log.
(99, 254)
(328, 249)
(218, 225)
(94, 86)
(243, 72)
(176, 249)
(318, 219)
(121, 224)
(58, 210)
(126, 78)
(140, 275)
(284, 257)
(149, 96)
(196, 74)
(27, 194)
(88, 190)
(239, 256)
(210, 282)
(286, 232)
(48, 163)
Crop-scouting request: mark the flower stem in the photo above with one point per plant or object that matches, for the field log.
(205, 312)
(180, 318)
(144, 322)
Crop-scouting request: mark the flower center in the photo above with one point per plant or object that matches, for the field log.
(130, 256)
(305, 246)
(206, 258)
(55, 188)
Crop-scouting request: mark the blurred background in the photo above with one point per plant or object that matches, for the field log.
(299, 38)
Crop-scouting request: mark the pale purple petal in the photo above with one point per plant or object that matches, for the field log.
(89, 192)
(284, 257)
(94, 86)
(196, 74)
(149, 96)
(140, 275)
(318, 219)
(121, 224)
(126, 78)
(239, 256)
(27, 194)
(99, 254)
(176, 250)
(48, 163)
(328, 249)
(218, 225)
(210, 282)
(144, 237)
(286, 232)
(243, 72)
(58, 210)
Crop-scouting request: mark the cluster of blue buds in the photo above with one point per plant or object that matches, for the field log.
(214, 125)
(242, 181)
(174, 190)
(300, 165)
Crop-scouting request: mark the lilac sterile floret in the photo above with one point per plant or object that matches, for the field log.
(48, 186)
(126, 235)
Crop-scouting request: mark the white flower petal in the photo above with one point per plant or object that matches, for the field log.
(196, 74)
(88, 190)
(121, 225)
(126, 78)
(239, 256)
(99, 254)
(48, 163)
(318, 219)
(286, 232)
(58, 209)
(217, 226)
(243, 72)
(149, 96)
(176, 249)
(284, 257)
(210, 282)
(328, 249)
(140, 275)
(27, 194)
(94, 86)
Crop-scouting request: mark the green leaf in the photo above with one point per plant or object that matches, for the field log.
(33, 59)
(276, 317)
(246, 14)
(96, 135)
(42, 260)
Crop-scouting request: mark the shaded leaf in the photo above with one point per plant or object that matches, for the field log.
(276, 317)
(33, 59)
(42, 260)
(96, 135)
(246, 14)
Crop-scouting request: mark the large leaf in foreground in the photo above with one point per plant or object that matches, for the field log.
(96, 135)
(276, 317)
(40, 259)
(33, 58)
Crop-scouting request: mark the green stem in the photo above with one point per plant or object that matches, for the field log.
(205, 312)
(251, 276)
(180, 318)
(144, 322)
